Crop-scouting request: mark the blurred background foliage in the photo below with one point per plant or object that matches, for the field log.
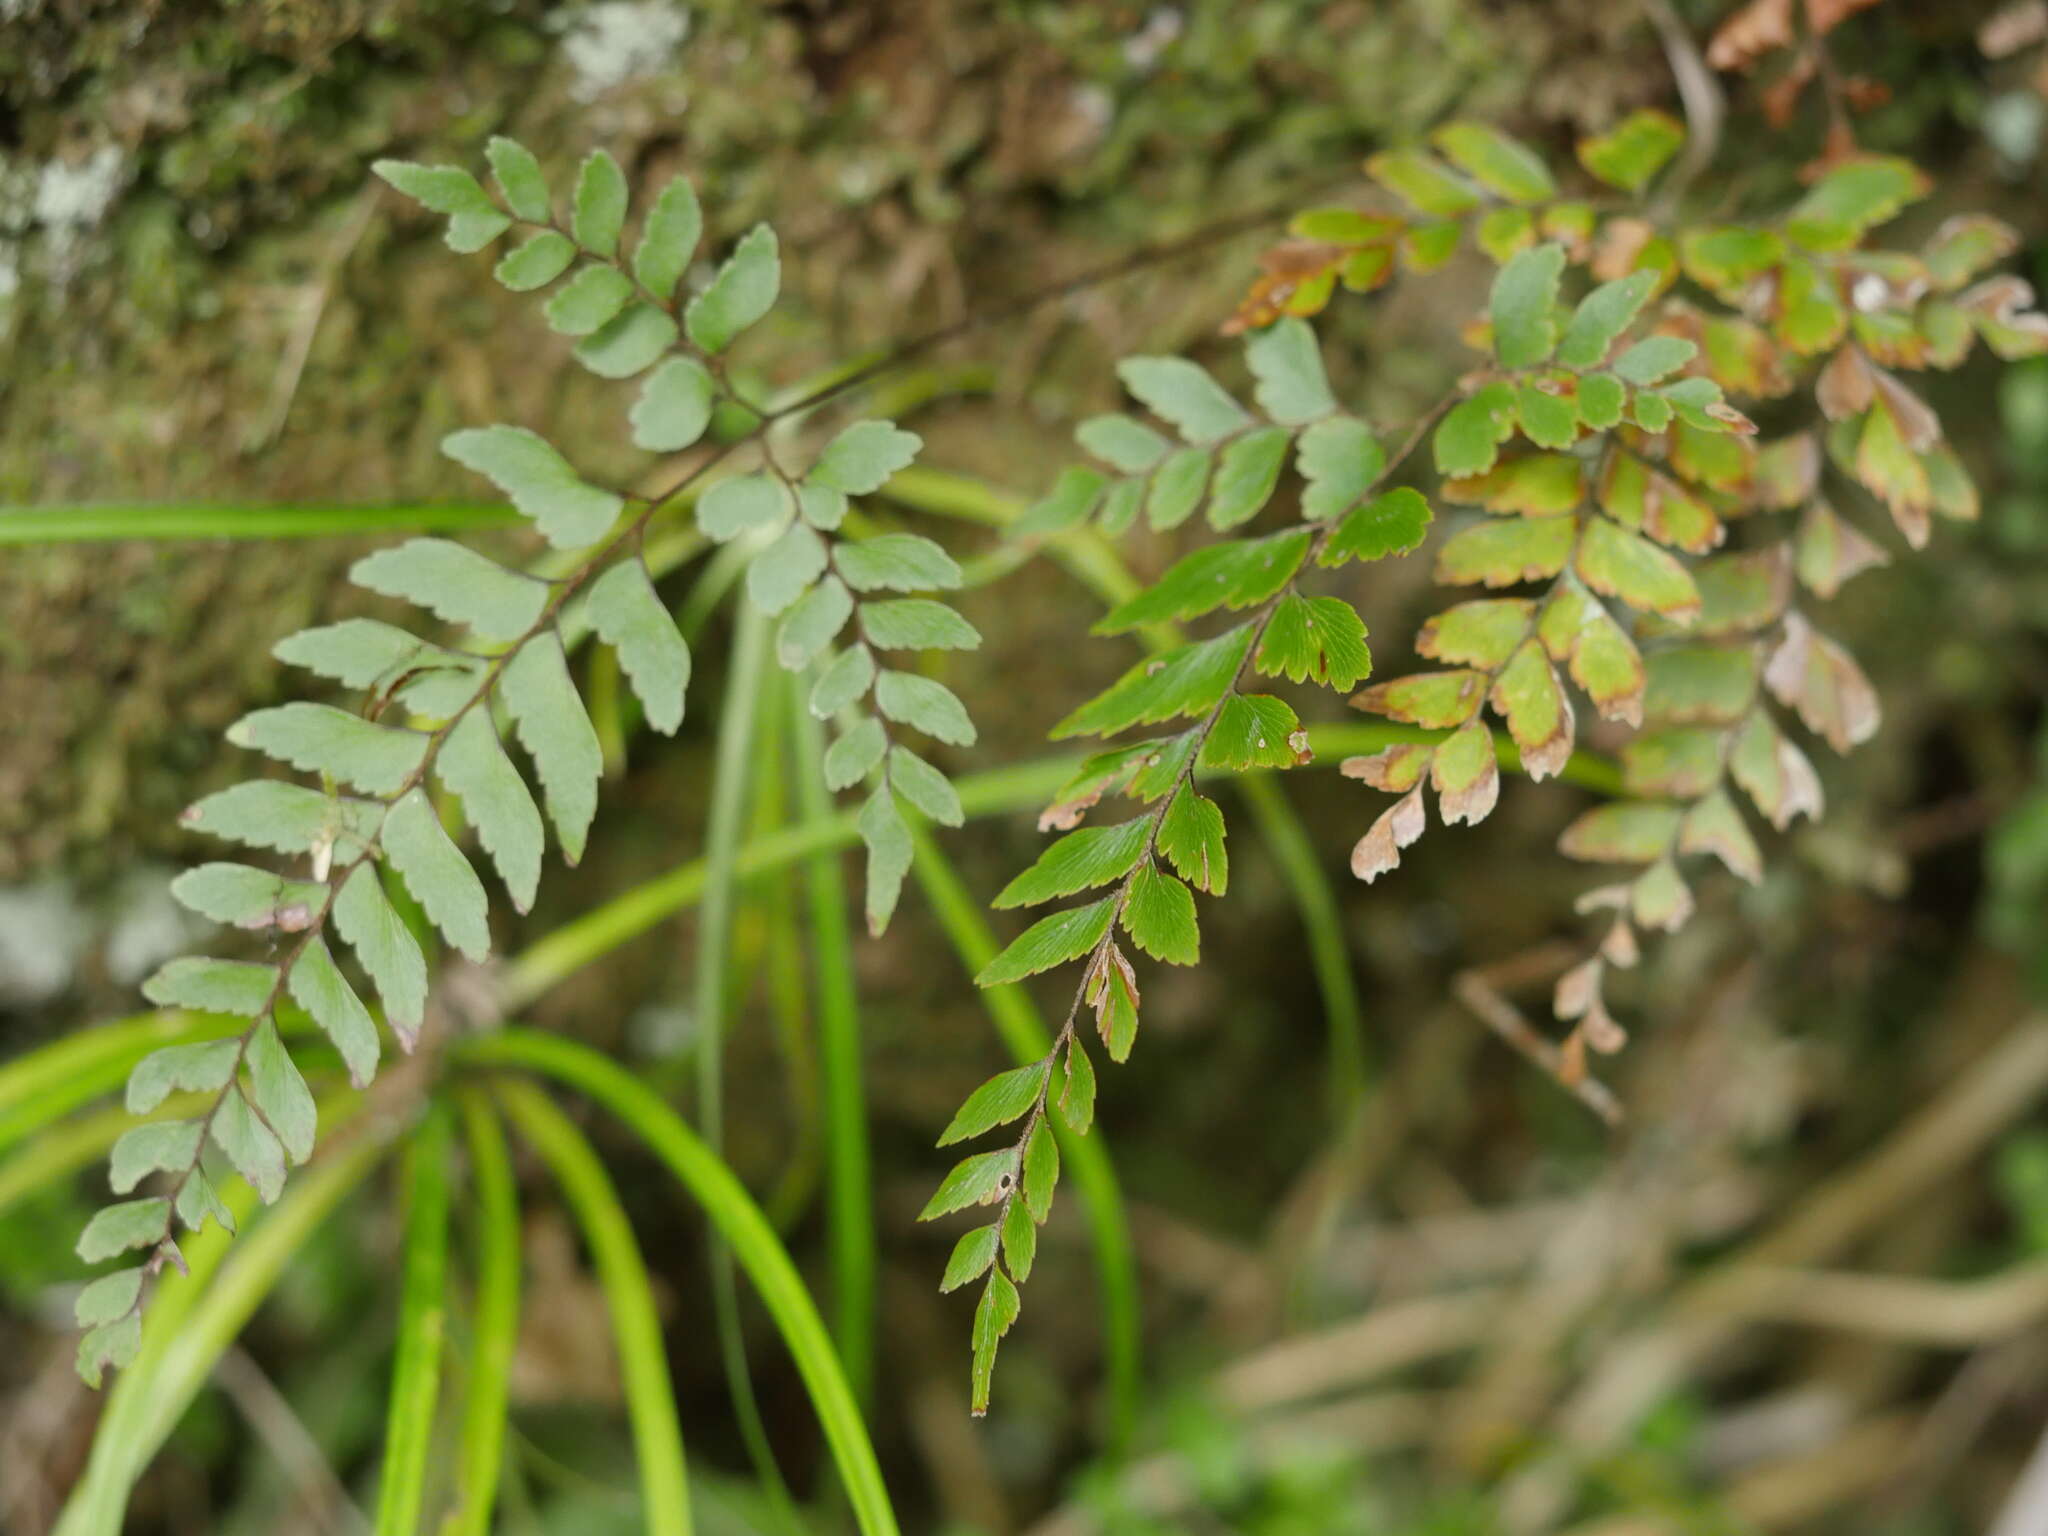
(1804, 1289)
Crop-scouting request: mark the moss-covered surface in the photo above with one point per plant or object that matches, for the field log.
(215, 301)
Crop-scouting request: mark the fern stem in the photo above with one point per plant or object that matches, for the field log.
(1024, 1032)
(494, 1329)
(738, 1220)
(1105, 951)
(849, 1207)
(629, 1295)
(422, 1327)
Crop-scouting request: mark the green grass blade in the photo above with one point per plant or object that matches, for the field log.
(1294, 851)
(100, 522)
(55, 1079)
(1087, 1160)
(62, 1150)
(494, 1328)
(732, 774)
(849, 1205)
(192, 1321)
(636, 1324)
(738, 1220)
(422, 1328)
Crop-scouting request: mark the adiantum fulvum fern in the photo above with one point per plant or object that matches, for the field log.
(1648, 546)
(428, 750)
